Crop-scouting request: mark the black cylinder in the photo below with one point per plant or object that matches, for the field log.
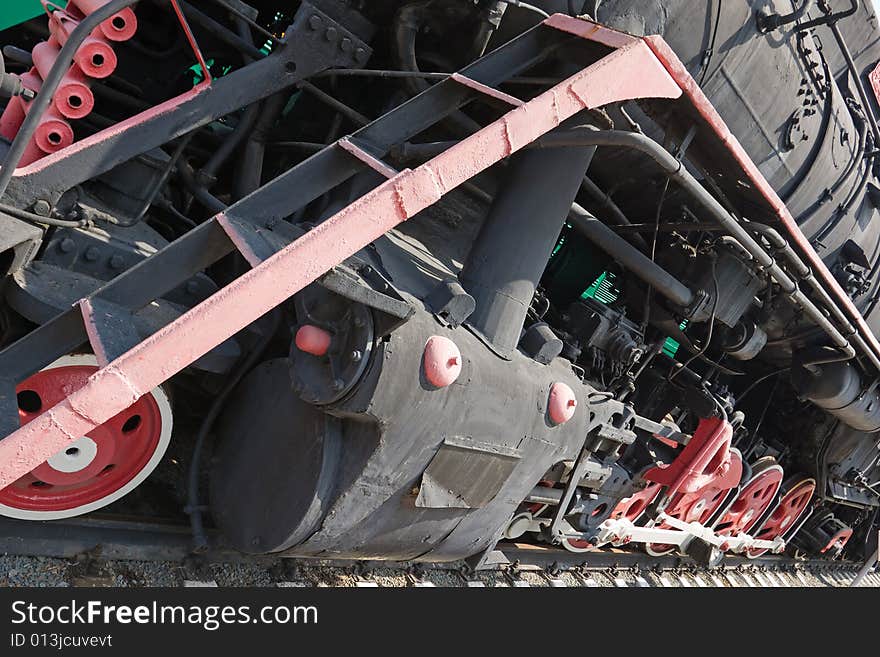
(517, 238)
(839, 389)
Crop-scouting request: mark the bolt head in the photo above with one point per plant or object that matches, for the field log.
(346, 45)
(338, 384)
(356, 356)
(66, 245)
(331, 34)
(361, 55)
(315, 22)
(42, 208)
(117, 262)
(92, 253)
(192, 287)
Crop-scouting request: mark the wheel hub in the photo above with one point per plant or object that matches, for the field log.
(93, 470)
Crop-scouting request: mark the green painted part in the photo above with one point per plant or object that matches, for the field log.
(670, 347)
(602, 289)
(14, 12)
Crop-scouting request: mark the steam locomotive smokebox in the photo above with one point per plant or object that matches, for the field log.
(275, 464)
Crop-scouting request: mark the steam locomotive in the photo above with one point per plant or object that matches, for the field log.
(404, 279)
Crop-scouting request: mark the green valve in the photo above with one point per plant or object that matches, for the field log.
(14, 12)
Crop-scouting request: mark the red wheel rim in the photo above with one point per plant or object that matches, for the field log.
(92, 470)
(784, 519)
(752, 502)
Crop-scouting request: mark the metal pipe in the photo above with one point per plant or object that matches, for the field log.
(857, 79)
(354, 116)
(249, 174)
(676, 171)
(770, 22)
(830, 18)
(630, 257)
(515, 242)
(245, 125)
(544, 495)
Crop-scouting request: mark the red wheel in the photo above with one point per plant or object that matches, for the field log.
(753, 500)
(96, 469)
(690, 507)
(631, 508)
(784, 519)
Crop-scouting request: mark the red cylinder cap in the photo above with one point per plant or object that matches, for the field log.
(442, 361)
(562, 403)
(313, 340)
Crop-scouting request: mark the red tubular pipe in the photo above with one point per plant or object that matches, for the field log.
(95, 56)
(119, 27)
(53, 132)
(16, 109)
(73, 99)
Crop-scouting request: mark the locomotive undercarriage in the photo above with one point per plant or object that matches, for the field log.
(595, 327)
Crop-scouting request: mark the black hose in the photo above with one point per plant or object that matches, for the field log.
(194, 506)
(50, 86)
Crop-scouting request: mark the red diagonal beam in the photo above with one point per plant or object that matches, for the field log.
(628, 73)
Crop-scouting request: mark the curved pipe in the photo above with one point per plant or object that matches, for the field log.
(631, 258)
(770, 22)
(588, 136)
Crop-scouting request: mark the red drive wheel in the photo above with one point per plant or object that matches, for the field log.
(784, 521)
(754, 499)
(690, 507)
(631, 508)
(96, 469)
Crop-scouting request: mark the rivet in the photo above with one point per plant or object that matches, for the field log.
(92, 253)
(346, 45)
(192, 286)
(66, 245)
(42, 208)
(117, 262)
(331, 34)
(315, 22)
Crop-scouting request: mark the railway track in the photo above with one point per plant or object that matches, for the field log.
(113, 550)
